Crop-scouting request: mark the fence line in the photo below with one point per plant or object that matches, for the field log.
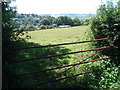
(61, 67)
(54, 80)
(75, 65)
(72, 66)
(64, 66)
(61, 44)
(31, 59)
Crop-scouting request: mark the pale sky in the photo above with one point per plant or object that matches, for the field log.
(57, 6)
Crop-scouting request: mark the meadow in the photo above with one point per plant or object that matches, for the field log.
(54, 36)
(65, 35)
(58, 35)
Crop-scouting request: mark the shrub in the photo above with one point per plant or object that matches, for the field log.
(46, 26)
(42, 27)
(107, 24)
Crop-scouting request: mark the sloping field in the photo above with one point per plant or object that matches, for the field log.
(64, 35)
(59, 35)
(54, 36)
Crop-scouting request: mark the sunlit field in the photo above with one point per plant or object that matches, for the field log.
(59, 35)
(55, 36)
(63, 35)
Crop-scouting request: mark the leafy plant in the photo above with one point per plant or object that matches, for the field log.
(107, 24)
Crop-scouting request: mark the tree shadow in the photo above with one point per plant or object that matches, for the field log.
(35, 65)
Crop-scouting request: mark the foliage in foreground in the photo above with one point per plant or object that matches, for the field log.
(10, 40)
(107, 24)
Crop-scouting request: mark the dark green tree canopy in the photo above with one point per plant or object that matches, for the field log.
(76, 22)
(64, 20)
(45, 21)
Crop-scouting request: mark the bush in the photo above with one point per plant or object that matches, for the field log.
(87, 22)
(42, 27)
(107, 24)
(49, 27)
(46, 26)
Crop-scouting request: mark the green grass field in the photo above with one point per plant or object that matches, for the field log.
(63, 35)
(59, 35)
(54, 36)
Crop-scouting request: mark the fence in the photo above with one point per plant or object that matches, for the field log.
(70, 65)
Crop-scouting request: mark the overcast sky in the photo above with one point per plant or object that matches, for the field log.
(57, 6)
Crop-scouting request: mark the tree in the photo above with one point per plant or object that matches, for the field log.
(10, 40)
(7, 28)
(107, 22)
(76, 22)
(45, 21)
(64, 20)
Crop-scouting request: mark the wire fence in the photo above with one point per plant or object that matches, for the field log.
(64, 66)
(66, 70)
(34, 72)
(49, 56)
(54, 80)
(62, 44)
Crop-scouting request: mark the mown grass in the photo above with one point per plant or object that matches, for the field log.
(54, 36)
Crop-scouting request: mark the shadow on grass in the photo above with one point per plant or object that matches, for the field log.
(43, 64)
(39, 64)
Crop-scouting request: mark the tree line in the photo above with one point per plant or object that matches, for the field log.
(34, 21)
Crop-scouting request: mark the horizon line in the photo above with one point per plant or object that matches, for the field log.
(55, 13)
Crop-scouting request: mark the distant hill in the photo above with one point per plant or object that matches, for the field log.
(81, 16)
(23, 21)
